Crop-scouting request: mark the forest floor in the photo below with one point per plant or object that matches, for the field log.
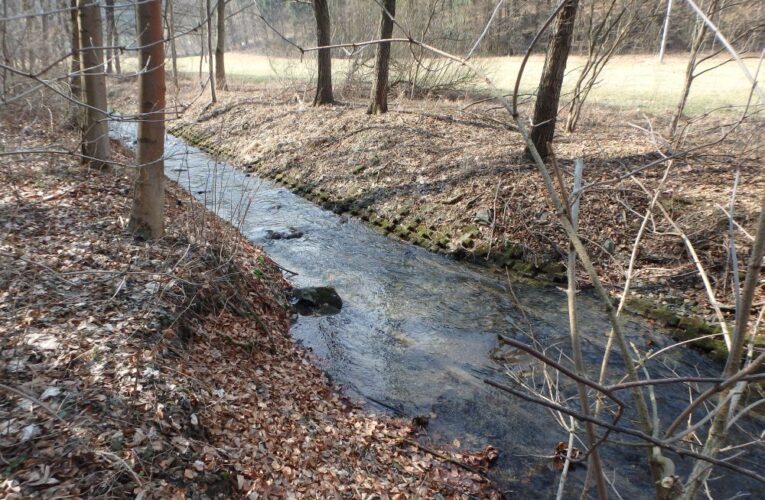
(166, 369)
(454, 179)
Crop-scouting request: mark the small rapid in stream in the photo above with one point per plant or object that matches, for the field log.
(417, 330)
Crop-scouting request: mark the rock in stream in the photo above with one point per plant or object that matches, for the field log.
(316, 301)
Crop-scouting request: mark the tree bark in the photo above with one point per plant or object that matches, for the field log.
(112, 39)
(96, 129)
(27, 62)
(548, 97)
(324, 57)
(379, 96)
(147, 216)
(108, 51)
(75, 82)
(220, 47)
(6, 57)
(210, 70)
(171, 36)
(698, 42)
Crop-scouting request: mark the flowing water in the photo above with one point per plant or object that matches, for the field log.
(417, 330)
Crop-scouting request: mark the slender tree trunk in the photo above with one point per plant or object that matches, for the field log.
(96, 130)
(6, 57)
(113, 39)
(109, 52)
(29, 54)
(379, 97)
(665, 32)
(548, 97)
(116, 44)
(202, 49)
(75, 82)
(717, 436)
(698, 42)
(323, 38)
(45, 29)
(220, 47)
(147, 216)
(171, 36)
(210, 70)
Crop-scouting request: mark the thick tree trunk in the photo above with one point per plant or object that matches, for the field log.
(210, 71)
(220, 47)
(548, 97)
(96, 130)
(147, 216)
(379, 97)
(323, 38)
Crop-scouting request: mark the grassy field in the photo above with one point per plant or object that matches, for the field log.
(632, 81)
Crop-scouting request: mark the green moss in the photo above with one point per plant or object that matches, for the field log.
(482, 250)
(524, 267)
(441, 240)
(665, 316)
(402, 231)
(554, 271)
(471, 230)
(424, 232)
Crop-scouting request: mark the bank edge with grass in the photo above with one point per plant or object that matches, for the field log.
(466, 243)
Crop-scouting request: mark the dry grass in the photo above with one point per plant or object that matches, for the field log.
(635, 82)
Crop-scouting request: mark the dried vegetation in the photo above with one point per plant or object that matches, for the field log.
(453, 179)
(165, 369)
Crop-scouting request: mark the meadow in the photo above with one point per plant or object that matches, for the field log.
(635, 82)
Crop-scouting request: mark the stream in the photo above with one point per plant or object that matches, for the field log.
(417, 330)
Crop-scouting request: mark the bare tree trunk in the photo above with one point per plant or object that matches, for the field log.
(546, 106)
(112, 39)
(171, 36)
(96, 131)
(109, 52)
(323, 38)
(698, 42)
(202, 49)
(665, 32)
(75, 82)
(27, 61)
(45, 29)
(147, 215)
(210, 70)
(220, 47)
(718, 431)
(6, 57)
(379, 97)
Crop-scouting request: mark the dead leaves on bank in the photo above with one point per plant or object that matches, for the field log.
(166, 370)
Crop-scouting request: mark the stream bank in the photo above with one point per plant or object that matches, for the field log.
(166, 369)
(440, 225)
(417, 332)
(451, 178)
